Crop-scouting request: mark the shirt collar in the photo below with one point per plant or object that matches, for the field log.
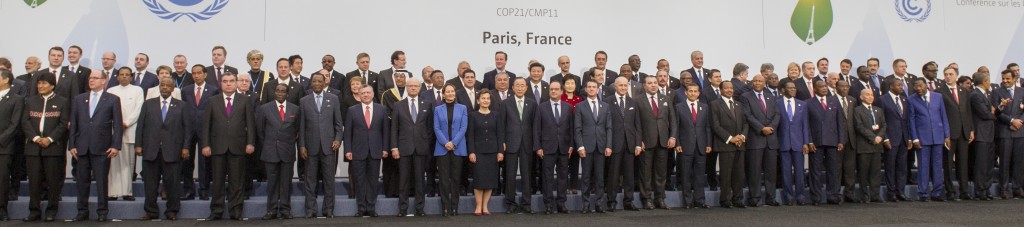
(162, 99)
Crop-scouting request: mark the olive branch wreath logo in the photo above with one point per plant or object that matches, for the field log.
(208, 12)
(904, 7)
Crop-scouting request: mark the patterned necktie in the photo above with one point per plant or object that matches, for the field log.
(654, 106)
(519, 104)
(366, 116)
(622, 104)
(558, 112)
(760, 99)
(228, 107)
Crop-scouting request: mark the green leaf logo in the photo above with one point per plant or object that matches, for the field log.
(811, 20)
(34, 3)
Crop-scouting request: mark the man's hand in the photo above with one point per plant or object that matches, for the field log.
(540, 153)
(501, 157)
(735, 140)
(138, 151)
(679, 149)
(395, 154)
(583, 154)
(111, 153)
(607, 152)
(917, 144)
(971, 140)
(207, 152)
(671, 142)
(946, 142)
(335, 145)
(348, 156)
(642, 145)
(184, 154)
(74, 153)
(839, 147)
(504, 146)
(812, 148)
(472, 158)
(707, 150)
(766, 131)
(303, 153)
(888, 145)
(249, 149)
(383, 154)
(638, 151)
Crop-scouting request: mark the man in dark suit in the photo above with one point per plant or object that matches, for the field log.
(600, 63)
(412, 133)
(634, 66)
(625, 145)
(467, 95)
(81, 73)
(961, 134)
(674, 83)
(536, 88)
(277, 127)
(66, 85)
(984, 122)
(848, 158)
(793, 144)
(500, 60)
(870, 128)
(826, 123)
(658, 132)
(694, 132)
(162, 141)
(335, 78)
(730, 129)
(518, 119)
(900, 75)
(44, 121)
(552, 129)
(862, 82)
(1010, 137)
(805, 84)
(701, 76)
(593, 131)
(227, 136)
(295, 65)
(181, 75)
(387, 76)
(564, 66)
(319, 140)
(95, 138)
(457, 81)
(739, 79)
(929, 129)
(362, 70)
(295, 89)
(897, 141)
(762, 146)
(141, 78)
(215, 71)
(11, 105)
(366, 129)
(196, 96)
(711, 91)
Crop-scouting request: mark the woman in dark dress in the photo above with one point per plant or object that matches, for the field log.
(484, 151)
(349, 100)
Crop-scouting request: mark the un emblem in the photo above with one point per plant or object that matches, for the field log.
(190, 9)
(913, 10)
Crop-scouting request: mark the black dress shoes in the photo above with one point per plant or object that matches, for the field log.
(213, 217)
(629, 207)
(660, 204)
(31, 218)
(81, 217)
(270, 216)
(102, 218)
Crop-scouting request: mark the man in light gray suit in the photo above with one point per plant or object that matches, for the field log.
(593, 137)
(319, 138)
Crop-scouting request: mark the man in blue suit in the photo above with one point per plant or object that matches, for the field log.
(763, 144)
(1010, 138)
(195, 96)
(897, 141)
(593, 131)
(793, 144)
(695, 143)
(828, 134)
(552, 131)
(930, 132)
(95, 138)
(367, 136)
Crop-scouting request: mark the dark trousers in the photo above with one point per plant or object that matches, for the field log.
(869, 172)
(389, 176)
(652, 172)
(691, 175)
(161, 171)
(555, 179)
(279, 185)
(761, 164)
(574, 172)
(256, 169)
(97, 165)
(670, 171)
(732, 177)
(983, 162)
(45, 174)
(621, 165)
(896, 171)
(320, 166)
(712, 169)
(792, 175)
(954, 167)
(449, 169)
(16, 167)
(367, 183)
(410, 176)
(431, 181)
(521, 162)
(848, 171)
(929, 171)
(592, 181)
(1011, 164)
(228, 168)
(5, 181)
(824, 171)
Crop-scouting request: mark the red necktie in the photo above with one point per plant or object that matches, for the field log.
(823, 106)
(281, 111)
(366, 116)
(760, 99)
(198, 93)
(654, 105)
(953, 90)
(693, 111)
(931, 86)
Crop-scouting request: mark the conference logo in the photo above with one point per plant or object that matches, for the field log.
(912, 10)
(811, 20)
(195, 10)
(34, 3)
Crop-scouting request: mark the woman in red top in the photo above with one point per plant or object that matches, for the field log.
(569, 96)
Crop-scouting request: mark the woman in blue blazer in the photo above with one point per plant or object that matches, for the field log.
(450, 121)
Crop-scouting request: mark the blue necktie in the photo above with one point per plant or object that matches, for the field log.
(872, 116)
(92, 103)
(789, 109)
(163, 111)
(319, 102)
(536, 93)
(414, 114)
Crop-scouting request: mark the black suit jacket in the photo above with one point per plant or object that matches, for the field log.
(103, 130)
(11, 109)
(260, 80)
(865, 135)
(483, 133)
(223, 133)
(295, 91)
(159, 137)
(278, 136)
(372, 80)
(57, 112)
(185, 79)
(727, 123)
(561, 78)
(81, 74)
(1009, 112)
(551, 134)
(366, 142)
(188, 97)
(959, 115)
(984, 118)
(609, 76)
(211, 74)
(802, 91)
(68, 86)
(656, 129)
(625, 122)
(413, 136)
(518, 132)
(694, 136)
(857, 87)
(593, 134)
(545, 95)
(703, 80)
(337, 80)
(909, 78)
(758, 118)
(489, 78)
(826, 125)
(462, 97)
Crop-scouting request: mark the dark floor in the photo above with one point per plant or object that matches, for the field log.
(965, 213)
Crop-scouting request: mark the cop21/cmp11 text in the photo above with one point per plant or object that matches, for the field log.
(531, 39)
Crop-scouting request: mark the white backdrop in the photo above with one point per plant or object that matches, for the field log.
(443, 32)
